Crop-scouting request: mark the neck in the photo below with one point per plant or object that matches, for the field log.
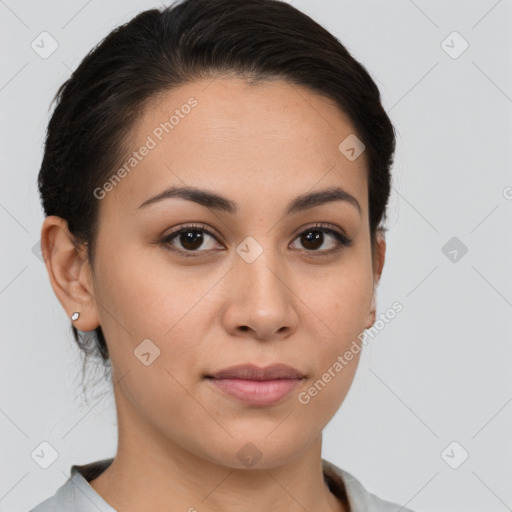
(153, 473)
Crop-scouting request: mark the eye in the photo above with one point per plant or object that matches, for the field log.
(191, 238)
(314, 238)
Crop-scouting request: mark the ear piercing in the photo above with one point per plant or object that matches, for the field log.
(75, 316)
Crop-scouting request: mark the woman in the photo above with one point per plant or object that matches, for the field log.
(214, 181)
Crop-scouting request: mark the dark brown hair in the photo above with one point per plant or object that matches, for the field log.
(97, 107)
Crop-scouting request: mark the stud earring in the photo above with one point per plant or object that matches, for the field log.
(75, 316)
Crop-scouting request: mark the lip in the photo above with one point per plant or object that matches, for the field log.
(252, 372)
(257, 386)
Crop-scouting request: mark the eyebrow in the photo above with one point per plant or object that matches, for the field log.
(215, 201)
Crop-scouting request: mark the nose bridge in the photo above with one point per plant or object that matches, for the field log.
(260, 298)
(256, 266)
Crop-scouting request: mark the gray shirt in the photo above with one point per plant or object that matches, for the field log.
(76, 495)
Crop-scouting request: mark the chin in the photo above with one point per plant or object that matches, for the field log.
(259, 450)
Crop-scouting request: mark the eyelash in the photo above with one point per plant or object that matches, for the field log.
(342, 240)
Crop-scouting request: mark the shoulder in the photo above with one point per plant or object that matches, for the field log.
(360, 499)
(60, 501)
(76, 494)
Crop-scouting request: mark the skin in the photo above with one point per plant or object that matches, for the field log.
(261, 146)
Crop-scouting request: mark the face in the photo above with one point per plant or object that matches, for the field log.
(190, 285)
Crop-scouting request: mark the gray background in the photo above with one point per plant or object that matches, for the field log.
(438, 373)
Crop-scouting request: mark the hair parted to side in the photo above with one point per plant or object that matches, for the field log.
(89, 131)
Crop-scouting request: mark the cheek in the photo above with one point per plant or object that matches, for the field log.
(342, 302)
(144, 299)
(343, 299)
(159, 397)
(166, 306)
(325, 392)
(343, 306)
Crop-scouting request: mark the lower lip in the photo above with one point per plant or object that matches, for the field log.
(257, 392)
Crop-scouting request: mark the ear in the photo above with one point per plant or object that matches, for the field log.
(69, 272)
(378, 265)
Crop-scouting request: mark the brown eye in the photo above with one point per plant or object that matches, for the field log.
(312, 240)
(190, 239)
(316, 239)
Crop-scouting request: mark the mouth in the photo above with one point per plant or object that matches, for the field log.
(257, 386)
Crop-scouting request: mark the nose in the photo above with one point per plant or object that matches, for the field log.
(261, 303)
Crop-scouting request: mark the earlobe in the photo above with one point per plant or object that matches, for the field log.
(69, 273)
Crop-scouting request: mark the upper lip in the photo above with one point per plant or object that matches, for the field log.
(252, 372)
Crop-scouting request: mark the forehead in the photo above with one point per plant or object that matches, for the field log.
(264, 137)
(270, 109)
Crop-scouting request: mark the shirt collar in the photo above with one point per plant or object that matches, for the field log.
(81, 475)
